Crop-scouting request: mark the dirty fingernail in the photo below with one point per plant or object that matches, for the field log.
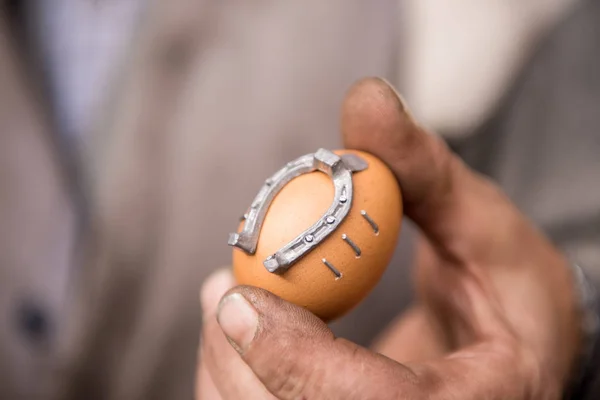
(401, 101)
(238, 320)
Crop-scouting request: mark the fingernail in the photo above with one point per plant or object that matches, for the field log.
(238, 320)
(403, 106)
(214, 287)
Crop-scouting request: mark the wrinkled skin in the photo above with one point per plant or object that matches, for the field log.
(495, 315)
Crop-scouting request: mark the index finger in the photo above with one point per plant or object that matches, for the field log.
(448, 201)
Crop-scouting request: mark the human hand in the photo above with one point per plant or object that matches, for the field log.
(496, 316)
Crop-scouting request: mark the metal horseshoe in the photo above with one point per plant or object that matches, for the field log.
(339, 168)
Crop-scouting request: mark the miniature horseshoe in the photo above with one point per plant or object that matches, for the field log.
(339, 168)
(320, 253)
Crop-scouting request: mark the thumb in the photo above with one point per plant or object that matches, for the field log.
(295, 355)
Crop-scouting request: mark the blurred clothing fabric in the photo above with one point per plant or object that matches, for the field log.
(479, 45)
(199, 102)
(210, 98)
(81, 44)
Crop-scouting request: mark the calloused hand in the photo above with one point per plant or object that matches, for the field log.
(495, 315)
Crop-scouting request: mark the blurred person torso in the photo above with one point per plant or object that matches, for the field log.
(155, 123)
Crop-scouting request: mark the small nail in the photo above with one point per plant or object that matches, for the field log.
(239, 320)
(215, 286)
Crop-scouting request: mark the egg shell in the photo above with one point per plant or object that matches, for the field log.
(309, 282)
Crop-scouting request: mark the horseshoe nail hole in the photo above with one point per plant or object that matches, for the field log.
(309, 238)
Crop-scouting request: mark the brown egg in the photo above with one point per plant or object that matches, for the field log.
(339, 271)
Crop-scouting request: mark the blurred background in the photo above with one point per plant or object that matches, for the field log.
(134, 132)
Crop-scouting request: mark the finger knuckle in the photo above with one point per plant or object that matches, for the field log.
(290, 380)
(532, 378)
(538, 384)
